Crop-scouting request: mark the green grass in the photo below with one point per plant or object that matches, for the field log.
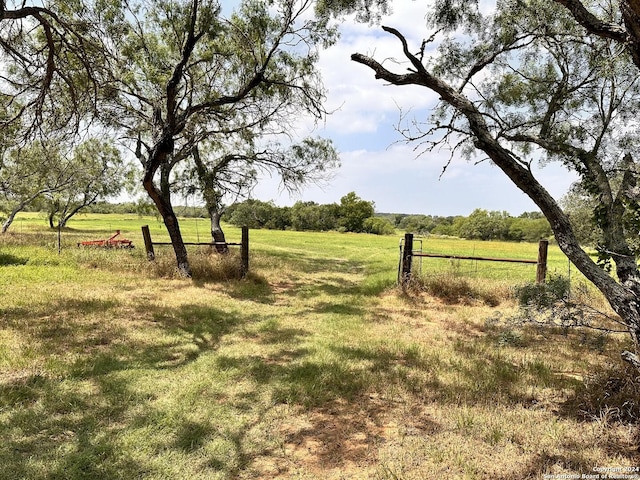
(315, 366)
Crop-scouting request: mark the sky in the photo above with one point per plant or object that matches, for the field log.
(376, 163)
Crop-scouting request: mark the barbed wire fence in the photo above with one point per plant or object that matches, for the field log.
(559, 297)
(412, 257)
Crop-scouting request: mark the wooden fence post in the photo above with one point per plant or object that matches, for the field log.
(541, 272)
(407, 254)
(148, 244)
(244, 252)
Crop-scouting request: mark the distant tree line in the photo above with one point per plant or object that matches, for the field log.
(352, 214)
(479, 225)
(356, 215)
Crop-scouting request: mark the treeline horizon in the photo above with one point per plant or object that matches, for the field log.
(480, 224)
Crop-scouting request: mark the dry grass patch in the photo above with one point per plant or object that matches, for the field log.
(456, 289)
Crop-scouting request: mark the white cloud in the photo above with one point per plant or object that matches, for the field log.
(374, 165)
(364, 104)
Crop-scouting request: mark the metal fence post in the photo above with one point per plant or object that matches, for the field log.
(244, 252)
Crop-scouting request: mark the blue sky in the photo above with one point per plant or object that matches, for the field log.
(376, 164)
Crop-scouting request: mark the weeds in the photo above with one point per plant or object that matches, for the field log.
(454, 289)
(557, 303)
(543, 295)
(206, 266)
(613, 393)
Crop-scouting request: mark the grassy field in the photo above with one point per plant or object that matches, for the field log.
(315, 366)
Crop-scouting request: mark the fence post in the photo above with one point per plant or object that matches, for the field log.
(407, 255)
(541, 272)
(244, 252)
(148, 244)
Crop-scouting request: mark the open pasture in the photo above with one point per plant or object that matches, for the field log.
(315, 366)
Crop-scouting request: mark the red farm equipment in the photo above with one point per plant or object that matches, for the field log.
(111, 242)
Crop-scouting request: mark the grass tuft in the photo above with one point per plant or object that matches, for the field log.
(454, 289)
(612, 393)
(206, 266)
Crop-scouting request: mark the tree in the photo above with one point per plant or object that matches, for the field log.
(314, 217)
(96, 172)
(354, 211)
(252, 213)
(553, 94)
(484, 225)
(421, 224)
(378, 226)
(529, 229)
(580, 207)
(29, 172)
(236, 172)
(183, 73)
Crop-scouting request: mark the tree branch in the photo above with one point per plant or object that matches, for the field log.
(592, 23)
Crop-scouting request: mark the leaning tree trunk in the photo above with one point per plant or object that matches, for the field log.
(622, 295)
(173, 228)
(212, 197)
(18, 208)
(10, 218)
(217, 234)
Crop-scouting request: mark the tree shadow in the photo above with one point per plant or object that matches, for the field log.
(7, 259)
(306, 263)
(574, 463)
(65, 421)
(55, 432)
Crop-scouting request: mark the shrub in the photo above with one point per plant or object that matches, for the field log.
(540, 296)
(612, 394)
(206, 266)
(560, 304)
(378, 226)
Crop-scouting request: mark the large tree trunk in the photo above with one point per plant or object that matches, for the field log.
(217, 234)
(173, 228)
(158, 159)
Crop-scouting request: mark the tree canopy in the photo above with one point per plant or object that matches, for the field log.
(98, 172)
(51, 68)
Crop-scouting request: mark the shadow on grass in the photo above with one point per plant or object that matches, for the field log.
(305, 263)
(252, 288)
(256, 288)
(67, 420)
(374, 282)
(70, 422)
(542, 463)
(52, 429)
(6, 259)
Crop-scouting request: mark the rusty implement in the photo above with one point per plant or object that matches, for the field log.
(111, 242)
